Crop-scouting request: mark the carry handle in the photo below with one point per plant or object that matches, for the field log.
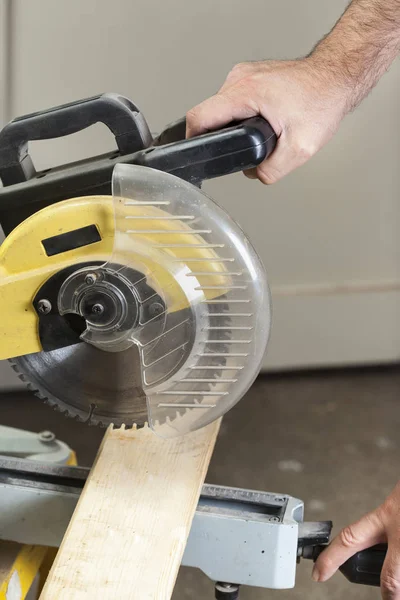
(119, 114)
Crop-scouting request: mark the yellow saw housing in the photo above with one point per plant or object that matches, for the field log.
(25, 266)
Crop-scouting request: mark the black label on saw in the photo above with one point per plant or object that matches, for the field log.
(71, 240)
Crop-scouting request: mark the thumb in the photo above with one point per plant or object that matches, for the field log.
(366, 532)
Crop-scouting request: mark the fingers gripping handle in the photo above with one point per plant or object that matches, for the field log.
(119, 114)
(364, 567)
(236, 147)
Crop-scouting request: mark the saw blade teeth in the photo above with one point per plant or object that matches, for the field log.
(94, 416)
(126, 427)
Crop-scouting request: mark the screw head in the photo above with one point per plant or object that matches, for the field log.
(97, 309)
(155, 309)
(46, 436)
(90, 279)
(44, 307)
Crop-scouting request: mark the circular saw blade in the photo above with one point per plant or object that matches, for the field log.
(87, 383)
(100, 387)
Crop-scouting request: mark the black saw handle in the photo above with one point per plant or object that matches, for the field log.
(236, 147)
(119, 114)
(364, 567)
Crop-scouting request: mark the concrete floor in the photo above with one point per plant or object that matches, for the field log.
(330, 438)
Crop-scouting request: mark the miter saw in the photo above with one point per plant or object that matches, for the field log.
(127, 295)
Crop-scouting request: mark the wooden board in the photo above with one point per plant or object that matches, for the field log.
(129, 530)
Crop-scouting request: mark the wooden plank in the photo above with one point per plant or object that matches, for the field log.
(129, 530)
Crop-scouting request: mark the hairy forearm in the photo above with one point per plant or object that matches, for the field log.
(361, 47)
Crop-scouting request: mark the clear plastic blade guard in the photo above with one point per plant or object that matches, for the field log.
(202, 345)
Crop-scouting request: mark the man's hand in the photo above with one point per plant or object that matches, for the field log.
(299, 101)
(381, 525)
(305, 100)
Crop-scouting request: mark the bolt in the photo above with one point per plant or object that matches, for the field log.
(97, 309)
(90, 279)
(226, 591)
(44, 307)
(46, 436)
(156, 309)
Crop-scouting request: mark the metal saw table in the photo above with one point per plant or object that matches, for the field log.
(238, 537)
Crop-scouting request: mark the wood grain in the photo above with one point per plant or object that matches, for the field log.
(129, 530)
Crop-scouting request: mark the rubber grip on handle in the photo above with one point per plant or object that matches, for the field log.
(236, 147)
(363, 567)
